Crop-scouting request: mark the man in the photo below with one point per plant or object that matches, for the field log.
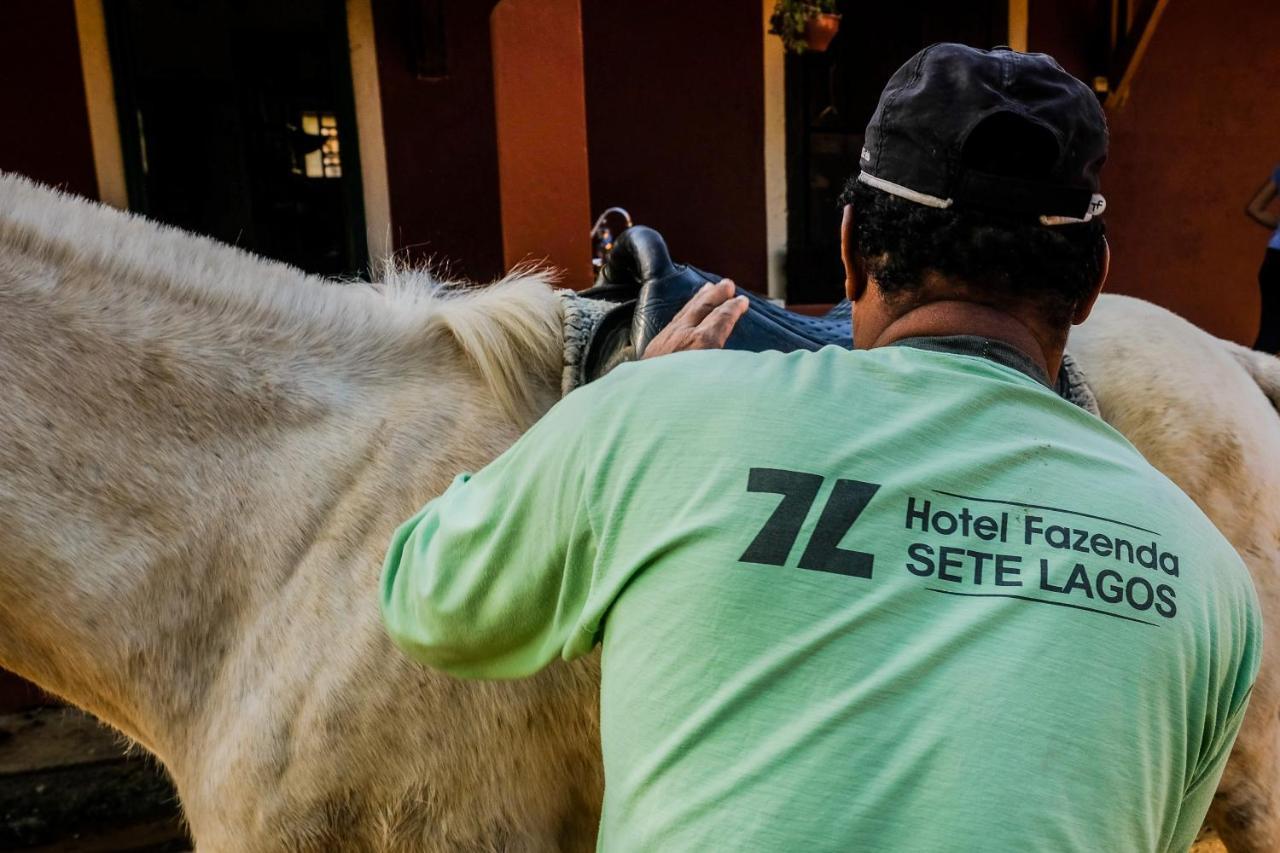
(1268, 339)
(899, 598)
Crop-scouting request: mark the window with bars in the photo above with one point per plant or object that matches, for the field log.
(325, 161)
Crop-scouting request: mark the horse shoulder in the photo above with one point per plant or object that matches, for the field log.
(1178, 394)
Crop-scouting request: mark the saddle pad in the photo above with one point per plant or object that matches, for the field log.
(581, 317)
(1074, 387)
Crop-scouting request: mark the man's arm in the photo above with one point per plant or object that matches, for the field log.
(1257, 209)
(1195, 805)
(491, 579)
(1241, 657)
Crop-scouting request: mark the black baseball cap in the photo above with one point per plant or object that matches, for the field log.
(950, 98)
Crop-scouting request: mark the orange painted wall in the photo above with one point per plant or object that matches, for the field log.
(1199, 134)
(541, 113)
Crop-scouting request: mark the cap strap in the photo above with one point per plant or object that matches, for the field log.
(905, 192)
(1097, 203)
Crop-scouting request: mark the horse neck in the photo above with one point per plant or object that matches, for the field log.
(162, 483)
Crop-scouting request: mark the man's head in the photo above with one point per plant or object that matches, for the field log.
(978, 187)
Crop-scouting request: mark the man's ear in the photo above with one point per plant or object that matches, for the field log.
(1085, 308)
(855, 283)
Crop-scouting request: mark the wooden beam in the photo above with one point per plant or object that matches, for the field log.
(1120, 94)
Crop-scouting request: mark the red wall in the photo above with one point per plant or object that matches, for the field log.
(42, 96)
(1199, 134)
(1072, 31)
(675, 125)
(442, 157)
(47, 138)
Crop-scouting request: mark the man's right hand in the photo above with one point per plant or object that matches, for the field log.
(705, 321)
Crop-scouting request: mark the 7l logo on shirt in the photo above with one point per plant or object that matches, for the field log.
(822, 553)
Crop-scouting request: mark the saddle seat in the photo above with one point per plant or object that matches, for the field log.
(640, 269)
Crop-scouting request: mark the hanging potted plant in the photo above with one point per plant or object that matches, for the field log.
(805, 24)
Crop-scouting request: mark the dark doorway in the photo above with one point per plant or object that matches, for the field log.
(238, 122)
(830, 98)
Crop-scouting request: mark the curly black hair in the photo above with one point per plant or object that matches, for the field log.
(901, 245)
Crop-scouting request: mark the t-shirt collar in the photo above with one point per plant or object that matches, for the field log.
(976, 345)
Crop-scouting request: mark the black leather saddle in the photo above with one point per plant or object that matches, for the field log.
(650, 289)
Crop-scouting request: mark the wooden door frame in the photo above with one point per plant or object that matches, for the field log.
(775, 158)
(373, 148)
(100, 100)
(1019, 18)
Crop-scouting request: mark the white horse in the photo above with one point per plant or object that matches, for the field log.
(203, 455)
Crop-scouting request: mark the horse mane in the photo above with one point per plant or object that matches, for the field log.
(510, 330)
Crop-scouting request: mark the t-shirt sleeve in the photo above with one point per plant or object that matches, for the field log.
(1242, 656)
(1195, 804)
(491, 579)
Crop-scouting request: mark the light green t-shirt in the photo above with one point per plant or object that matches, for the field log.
(881, 600)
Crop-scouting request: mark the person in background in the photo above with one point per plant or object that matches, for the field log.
(1269, 275)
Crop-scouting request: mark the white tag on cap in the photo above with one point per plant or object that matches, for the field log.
(1097, 205)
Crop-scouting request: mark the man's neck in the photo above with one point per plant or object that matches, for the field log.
(958, 317)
